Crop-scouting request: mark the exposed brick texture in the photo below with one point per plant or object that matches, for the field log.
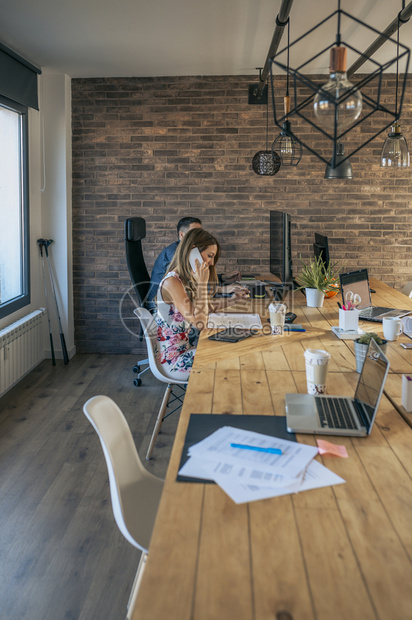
(167, 147)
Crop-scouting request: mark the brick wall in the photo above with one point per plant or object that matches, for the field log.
(163, 148)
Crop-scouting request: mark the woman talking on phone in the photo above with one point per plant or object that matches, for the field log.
(184, 298)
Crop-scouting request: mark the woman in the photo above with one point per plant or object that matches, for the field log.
(184, 299)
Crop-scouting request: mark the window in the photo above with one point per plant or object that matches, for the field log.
(14, 212)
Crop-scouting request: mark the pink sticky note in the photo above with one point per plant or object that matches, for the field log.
(325, 447)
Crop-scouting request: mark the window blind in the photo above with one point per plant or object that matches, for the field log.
(18, 78)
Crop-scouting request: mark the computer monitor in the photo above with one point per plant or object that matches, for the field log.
(321, 249)
(280, 246)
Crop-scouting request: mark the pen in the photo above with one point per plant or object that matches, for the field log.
(339, 304)
(293, 329)
(256, 448)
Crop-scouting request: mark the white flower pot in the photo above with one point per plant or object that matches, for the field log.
(314, 298)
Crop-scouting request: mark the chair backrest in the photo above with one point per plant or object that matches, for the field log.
(149, 327)
(407, 289)
(135, 492)
(134, 232)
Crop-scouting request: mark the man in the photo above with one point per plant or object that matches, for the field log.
(165, 257)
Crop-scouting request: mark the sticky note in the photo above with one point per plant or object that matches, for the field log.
(325, 447)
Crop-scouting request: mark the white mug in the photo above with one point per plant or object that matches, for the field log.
(392, 327)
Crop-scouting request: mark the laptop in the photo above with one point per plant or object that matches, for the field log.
(338, 415)
(357, 283)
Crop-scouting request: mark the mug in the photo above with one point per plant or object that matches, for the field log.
(392, 327)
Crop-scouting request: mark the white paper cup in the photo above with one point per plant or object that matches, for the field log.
(392, 327)
(316, 370)
(348, 319)
(277, 318)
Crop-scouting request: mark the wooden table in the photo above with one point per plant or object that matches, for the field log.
(341, 552)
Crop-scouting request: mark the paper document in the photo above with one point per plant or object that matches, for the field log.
(220, 320)
(293, 461)
(316, 476)
(247, 474)
(407, 326)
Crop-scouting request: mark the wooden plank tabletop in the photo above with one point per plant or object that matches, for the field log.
(338, 552)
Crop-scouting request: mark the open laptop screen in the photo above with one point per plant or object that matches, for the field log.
(356, 283)
(372, 379)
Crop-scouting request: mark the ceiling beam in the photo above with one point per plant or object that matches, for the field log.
(403, 16)
(281, 21)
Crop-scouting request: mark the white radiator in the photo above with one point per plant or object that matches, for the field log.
(21, 348)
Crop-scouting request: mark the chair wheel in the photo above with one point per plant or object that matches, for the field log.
(136, 368)
(137, 382)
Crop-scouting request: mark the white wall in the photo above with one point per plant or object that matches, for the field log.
(50, 205)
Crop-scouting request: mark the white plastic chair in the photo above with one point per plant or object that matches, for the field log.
(407, 289)
(135, 492)
(150, 333)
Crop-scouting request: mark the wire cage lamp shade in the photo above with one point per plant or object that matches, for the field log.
(287, 147)
(337, 108)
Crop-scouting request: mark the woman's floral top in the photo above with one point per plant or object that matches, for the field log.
(173, 348)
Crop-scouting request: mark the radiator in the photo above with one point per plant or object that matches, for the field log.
(21, 348)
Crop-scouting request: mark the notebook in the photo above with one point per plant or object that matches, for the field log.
(357, 283)
(339, 415)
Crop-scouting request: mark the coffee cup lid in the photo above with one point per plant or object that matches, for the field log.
(316, 356)
(277, 307)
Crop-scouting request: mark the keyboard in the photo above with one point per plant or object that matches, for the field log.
(374, 311)
(335, 413)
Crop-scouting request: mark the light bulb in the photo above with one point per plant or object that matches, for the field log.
(395, 150)
(326, 101)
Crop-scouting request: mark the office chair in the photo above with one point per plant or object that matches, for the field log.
(135, 492)
(134, 232)
(407, 289)
(150, 333)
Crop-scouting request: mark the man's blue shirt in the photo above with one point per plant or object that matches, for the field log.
(159, 268)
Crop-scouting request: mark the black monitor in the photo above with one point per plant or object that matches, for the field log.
(321, 249)
(280, 246)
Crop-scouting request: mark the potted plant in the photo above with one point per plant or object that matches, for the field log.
(361, 347)
(317, 279)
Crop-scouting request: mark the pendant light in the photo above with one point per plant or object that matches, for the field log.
(286, 145)
(395, 152)
(336, 110)
(266, 163)
(342, 168)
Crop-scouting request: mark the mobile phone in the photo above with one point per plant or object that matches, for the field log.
(192, 256)
(406, 345)
(231, 335)
(290, 317)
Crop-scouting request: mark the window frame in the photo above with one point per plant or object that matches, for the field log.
(24, 298)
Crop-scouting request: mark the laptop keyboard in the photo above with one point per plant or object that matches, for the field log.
(375, 311)
(335, 413)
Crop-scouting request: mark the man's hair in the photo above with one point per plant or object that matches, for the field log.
(184, 223)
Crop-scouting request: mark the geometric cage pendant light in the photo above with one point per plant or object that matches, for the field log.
(395, 153)
(328, 112)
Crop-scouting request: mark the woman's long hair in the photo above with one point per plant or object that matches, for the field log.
(201, 239)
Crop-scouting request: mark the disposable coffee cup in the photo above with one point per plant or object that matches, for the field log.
(277, 318)
(392, 327)
(316, 370)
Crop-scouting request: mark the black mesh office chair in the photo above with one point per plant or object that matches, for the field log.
(134, 232)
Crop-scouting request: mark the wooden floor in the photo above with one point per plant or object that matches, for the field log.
(62, 556)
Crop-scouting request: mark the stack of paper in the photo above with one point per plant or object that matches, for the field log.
(219, 320)
(252, 472)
